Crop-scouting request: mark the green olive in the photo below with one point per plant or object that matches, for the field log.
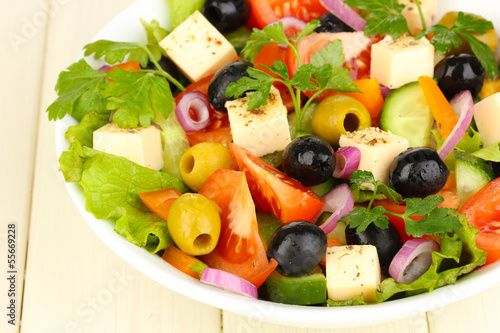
(201, 160)
(337, 115)
(489, 38)
(194, 224)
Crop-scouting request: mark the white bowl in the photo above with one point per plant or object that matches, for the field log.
(126, 27)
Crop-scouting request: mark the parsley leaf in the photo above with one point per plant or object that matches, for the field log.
(384, 17)
(324, 72)
(78, 90)
(361, 178)
(115, 52)
(437, 221)
(418, 206)
(360, 218)
(136, 97)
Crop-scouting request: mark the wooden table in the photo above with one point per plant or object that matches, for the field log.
(72, 281)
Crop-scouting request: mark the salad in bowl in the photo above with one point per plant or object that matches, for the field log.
(333, 154)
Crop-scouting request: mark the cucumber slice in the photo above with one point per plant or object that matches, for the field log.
(303, 290)
(471, 174)
(268, 224)
(407, 114)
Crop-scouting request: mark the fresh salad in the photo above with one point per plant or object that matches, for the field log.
(319, 152)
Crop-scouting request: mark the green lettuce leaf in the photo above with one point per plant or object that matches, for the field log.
(71, 161)
(458, 255)
(180, 10)
(489, 153)
(112, 185)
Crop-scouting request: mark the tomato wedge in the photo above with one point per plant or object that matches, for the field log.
(160, 201)
(267, 11)
(240, 250)
(483, 212)
(275, 192)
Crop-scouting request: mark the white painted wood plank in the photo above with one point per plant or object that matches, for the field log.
(74, 283)
(233, 323)
(22, 29)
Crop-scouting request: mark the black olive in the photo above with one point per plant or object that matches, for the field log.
(217, 89)
(418, 172)
(331, 23)
(387, 241)
(298, 247)
(226, 15)
(459, 72)
(309, 159)
(168, 66)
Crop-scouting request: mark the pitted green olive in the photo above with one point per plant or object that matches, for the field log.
(201, 160)
(194, 224)
(337, 115)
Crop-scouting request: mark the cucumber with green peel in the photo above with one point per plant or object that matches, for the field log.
(304, 290)
(471, 174)
(268, 224)
(338, 232)
(407, 114)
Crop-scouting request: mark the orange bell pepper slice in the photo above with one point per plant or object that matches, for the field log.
(442, 111)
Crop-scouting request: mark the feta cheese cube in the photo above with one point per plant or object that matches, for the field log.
(397, 62)
(487, 117)
(260, 131)
(198, 48)
(352, 270)
(139, 145)
(378, 149)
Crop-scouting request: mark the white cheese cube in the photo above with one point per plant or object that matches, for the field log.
(198, 48)
(378, 149)
(260, 131)
(412, 15)
(397, 62)
(139, 145)
(487, 117)
(352, 270)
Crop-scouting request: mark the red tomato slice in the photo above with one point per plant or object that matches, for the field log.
(483, 212)
(275, 192)
(160, 201)
(267, 11)
(240, 250)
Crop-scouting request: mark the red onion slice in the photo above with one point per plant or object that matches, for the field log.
(385, 91)
(228, 281)
(197, 102)
(339, 201)
(463, 104)
(346, 161)
(104, 68)
(345, 13)
(412, 260)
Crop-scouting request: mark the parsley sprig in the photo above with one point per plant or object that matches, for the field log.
(435, 220)
(134, 97)
(385, 17)
(322, 73)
